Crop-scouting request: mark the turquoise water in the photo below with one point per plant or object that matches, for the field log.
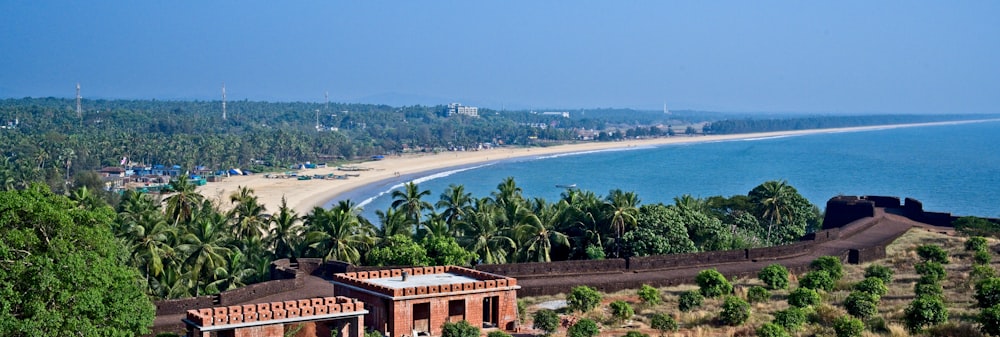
(950, 168)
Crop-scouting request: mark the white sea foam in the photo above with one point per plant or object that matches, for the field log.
(619, 149)
(422, 179)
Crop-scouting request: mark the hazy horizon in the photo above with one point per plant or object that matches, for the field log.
(899, 57)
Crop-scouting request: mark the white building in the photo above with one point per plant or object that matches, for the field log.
(458, 108)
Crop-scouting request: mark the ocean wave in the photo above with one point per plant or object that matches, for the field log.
(420, 180)
(618, 149)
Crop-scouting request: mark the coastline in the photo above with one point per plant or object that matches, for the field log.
(303, 196)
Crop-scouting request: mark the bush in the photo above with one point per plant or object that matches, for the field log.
(988, 292)
(982, 257)
(663, 322)
(931, 252)
(368, 333)
(758, 294)
(791, 319)
(928, 289)
(803, 297)
(925, 311)
(459, 329)
(735, 311)
(817, 280)
(583, 299)
(689, 300)
(880, 271)
(861, 304)
(931, 270)
(830, 264)
(980, 272)
(498, 333)
(976, 244)
(649, 295)
(545, 320)
(522, 311)
(771, 330)
(621, 311)
(775, 276)
(970, 225)
(713, 284)
(872, 286)
(634, 333)
(847, 326)
(989, 319)
(583, 328)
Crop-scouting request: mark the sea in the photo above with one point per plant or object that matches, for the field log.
(950, 168)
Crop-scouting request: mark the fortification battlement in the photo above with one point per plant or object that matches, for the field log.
(415, 281)
(261, 312)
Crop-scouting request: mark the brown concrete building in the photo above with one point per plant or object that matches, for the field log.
(412, 302)
(301, 318)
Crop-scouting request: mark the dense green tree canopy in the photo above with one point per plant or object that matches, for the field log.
(62, 272)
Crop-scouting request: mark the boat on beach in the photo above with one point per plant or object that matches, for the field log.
(569, 186)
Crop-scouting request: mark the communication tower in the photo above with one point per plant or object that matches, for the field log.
(79, 108)
(223, 100)
(326, 94)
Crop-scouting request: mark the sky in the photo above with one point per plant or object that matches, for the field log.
(734, 56)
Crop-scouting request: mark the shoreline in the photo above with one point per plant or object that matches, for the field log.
(303, 196)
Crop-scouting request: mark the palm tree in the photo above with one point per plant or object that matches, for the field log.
(286, 231)
(482, 233)
(774, 202)
(410, 201)
(622, 210)
(149, 238)
(239, 274)
(455, 202)
(508, 192)
(337, 234)
(205, 245)
(181, 204)
(247, 214)
(393, 223)
(536, 235)
(687, 202)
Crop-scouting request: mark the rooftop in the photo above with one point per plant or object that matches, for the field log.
(421, 280)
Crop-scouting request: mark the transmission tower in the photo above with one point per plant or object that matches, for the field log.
(223, 100)
(79, 108)
(326, 94)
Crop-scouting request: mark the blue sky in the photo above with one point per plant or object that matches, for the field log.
(747, 56)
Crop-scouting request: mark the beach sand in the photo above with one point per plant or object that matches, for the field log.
(304, 195)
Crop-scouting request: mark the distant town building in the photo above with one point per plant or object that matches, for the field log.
(458, 108)
(564, 114)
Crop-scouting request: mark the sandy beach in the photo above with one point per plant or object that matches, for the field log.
(304, 195)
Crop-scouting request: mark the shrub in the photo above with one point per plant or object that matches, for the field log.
(982, 257)
(459, 329)
(771, 330)
(689, 300)
(649, 295)
(368, 333)
(583, 299)
(545, 320)
(498, 333)
(931, 252)
(928, 289)
(861, 304)
(847, 326)
(879, 271)
(791, 319)
(931, 270)
(621, 310)
(583, 328)
(830, 264)
(633, 333)
(872, 286)
(663, 322)
(817, 280)
(735, 311)
(758, 294)
(988, 292)
(713, 284)
(976, 244)
(522, 311)
(803, 297)
(925, 311)
(970, 225)
(989, 319)
(775, 276)
(980, 272)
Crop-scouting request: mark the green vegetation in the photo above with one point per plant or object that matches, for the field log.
(881, 272)
(930, 271)
(583, 299)
(933, 253)
(791, 319)
(663, 322)
(830, 264)
(803, 297)
(758, 294)
(775, 276)
(862, 305)
(847, 326)
(649, 295)
(583, 328)
(459, 329)
(712, 283)
(690, 300)
(975, 226)
(771, 330)
(872, 285)
(817, 280)
(925, 311)
(497, 333)
(621, 311)
(735, 311)
(976, 244)
(546, 320)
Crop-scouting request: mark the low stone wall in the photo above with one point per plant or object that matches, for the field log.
(260, 312)
(554, 269)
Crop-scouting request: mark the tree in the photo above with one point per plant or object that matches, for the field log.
(988, 292)
(621, 311)
(872, 285)
(791, 319)
(181, 204)
(847, 326)
(583, 328)
(660, 230)
(47, 243)
(536, 237)
(830, 264)
(649, 295)
(662, 322)
(444, 251)
(989, 319)
(817, 280)
(689, 300)
(545, 320)
(583, 299)
(205, 244)
(803, 297)
(775, 276)
(931, 252)
(758, 294)
(925, 311)
(409, 200)
(930, 271)
(735, 311)
(338, 233)
(786, 212)
(285, 232)
(481, 233)
(459, 329)
(881, 272)
(861, 304)
(621, 214)
(712, 284)
(975, 226)
(976, 244)
(455, 202)
(398, 250)
(771, 330)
